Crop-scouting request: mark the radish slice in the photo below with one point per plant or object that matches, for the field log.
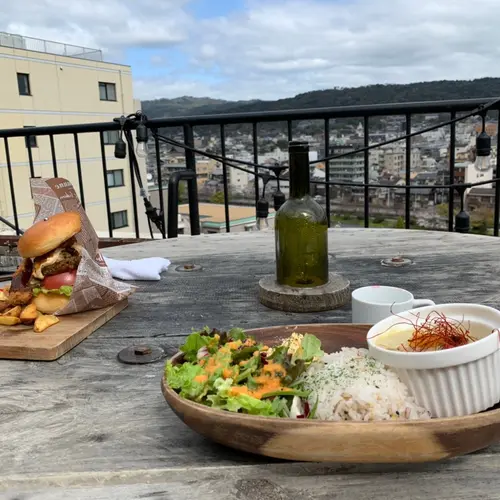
(297, 408)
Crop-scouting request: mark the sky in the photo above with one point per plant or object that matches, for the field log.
(270, 49)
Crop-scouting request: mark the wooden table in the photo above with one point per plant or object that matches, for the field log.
(89, 427)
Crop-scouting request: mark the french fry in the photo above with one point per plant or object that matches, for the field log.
(15, 312)
(29, 314)
(44, 321)
(4, 305)
(9, 320)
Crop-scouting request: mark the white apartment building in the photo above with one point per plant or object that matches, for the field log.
(348, 168)
(471, 175)
(47, 83)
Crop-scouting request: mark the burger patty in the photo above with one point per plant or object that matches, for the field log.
(68, 262)
(59, 260)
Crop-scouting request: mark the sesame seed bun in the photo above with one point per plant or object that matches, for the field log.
(46, 235)
(49, 303)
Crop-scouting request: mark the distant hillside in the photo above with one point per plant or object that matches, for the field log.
(179, 106)
(370, 94)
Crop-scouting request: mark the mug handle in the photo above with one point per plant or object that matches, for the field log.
(423, 302)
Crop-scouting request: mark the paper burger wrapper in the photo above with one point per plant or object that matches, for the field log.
(94, 287)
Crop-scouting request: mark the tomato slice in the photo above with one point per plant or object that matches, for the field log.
(58, 280)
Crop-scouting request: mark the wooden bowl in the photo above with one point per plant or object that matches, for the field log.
(346, 442)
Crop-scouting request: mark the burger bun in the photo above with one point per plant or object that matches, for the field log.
(49, 303)
(46, 235)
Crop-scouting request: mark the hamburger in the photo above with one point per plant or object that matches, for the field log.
(51, 258)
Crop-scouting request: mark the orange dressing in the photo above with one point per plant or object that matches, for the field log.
(234, 345)
(269, 381)
(212, 366)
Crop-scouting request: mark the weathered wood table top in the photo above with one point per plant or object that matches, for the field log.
(89, 427)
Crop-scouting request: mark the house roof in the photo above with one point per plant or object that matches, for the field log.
(479, 191)
(212, 215)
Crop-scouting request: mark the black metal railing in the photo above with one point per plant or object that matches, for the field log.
(189, 124)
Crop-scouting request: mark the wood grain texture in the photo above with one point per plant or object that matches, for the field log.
(344, 442)
(333, 294)
(459, 479)
(21, 342)
(88, 424)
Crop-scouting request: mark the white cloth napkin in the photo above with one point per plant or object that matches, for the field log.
(148, 269)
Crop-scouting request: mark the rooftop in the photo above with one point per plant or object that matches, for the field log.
(14, 41)
(213, 215)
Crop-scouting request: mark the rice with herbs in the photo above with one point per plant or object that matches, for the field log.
(350, 385)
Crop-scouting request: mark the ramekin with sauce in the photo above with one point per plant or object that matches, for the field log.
(449, 382)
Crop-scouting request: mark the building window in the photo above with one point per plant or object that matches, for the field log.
(107, 91)
(23, 83)
(115, 178)
(110, 137)
(119, 219)
(31, 140)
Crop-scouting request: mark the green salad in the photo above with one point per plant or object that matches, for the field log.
(232, 371)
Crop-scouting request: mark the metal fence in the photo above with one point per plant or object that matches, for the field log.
(190, 123)
(49, 47)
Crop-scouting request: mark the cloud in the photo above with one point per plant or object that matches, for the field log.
(107, 24)
(278, 48)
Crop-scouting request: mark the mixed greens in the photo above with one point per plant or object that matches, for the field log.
(232, 371)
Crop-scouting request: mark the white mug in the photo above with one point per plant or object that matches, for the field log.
(372, 304)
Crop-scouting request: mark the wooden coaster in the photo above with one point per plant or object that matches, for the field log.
(290, 299)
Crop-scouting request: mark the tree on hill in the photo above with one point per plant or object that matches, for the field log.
(482, 88)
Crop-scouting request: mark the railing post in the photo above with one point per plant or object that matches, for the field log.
(192, 187)
(366, 176)
(106, 187)
(160, 181)
(53, 154)
(408, 172)
(326, 133)
(173, 200)
(451, 178)
(11, 185)
(255, 147)
(132, 187)
(79, 169)
(224, 179)
(497, 184)
(30, 156)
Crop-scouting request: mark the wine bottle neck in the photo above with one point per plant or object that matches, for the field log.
(299, 173)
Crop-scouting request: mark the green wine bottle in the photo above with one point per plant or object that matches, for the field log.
(301, 228)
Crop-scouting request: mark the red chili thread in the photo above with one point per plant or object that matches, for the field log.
(436, 332)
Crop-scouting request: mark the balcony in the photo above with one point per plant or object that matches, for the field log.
(114, 201)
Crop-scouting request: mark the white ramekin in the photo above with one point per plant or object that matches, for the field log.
(452, 382)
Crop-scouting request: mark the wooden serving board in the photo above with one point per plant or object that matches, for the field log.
(21, 342)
